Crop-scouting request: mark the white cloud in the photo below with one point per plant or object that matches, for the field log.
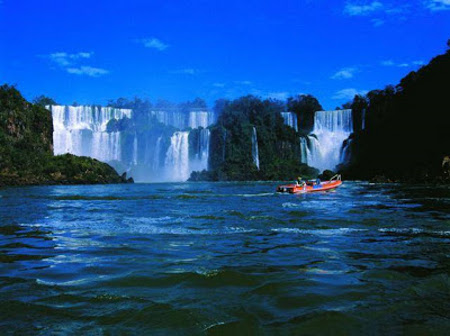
(401, 65)
(377, 22)
(87, 70)
(345, 73)
(348, 93)
(187, 71)
(388, 63)
(437, 5)
(65, 59)
(381, 12)
(71, 63)
(354, 9)
(154, 43)
(245, 82)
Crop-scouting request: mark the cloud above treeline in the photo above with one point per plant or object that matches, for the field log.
(362, 9)
(380, 12)
(88, 70)
(153, 43)
(402, 64)
(348, 93)
(438, 5)
(186, 71)
(345, 73)
(72, 63)
(65, 59)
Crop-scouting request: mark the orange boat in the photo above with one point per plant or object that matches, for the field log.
(311, 186)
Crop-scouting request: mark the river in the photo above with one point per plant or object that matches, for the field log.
(224, 258)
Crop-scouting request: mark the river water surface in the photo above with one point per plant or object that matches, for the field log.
(224, 258)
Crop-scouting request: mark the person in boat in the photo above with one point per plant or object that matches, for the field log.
(299, 182)
(318, 182)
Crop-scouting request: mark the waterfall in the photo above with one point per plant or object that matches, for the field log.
(194, 118)
(105, 147)
(200, 155)
(255, 151)
(304, 150)
(157, 155)
(132, 147)
(173, 118)
(331, 128)
(177, 157)
(81, 130)
(203, 150)
(290, 119)
(135, 150)
(201, 119)
(346, 151)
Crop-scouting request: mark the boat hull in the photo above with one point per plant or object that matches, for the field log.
(309, 187)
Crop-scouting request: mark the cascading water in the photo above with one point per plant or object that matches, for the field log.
(201, 119)
(346, 151)
(290, 119)
(181, 120)
(145, 155)
(156, 157)
(201, 157)
(81, 130)
(177, 157)
(331, 128)
(255, 150)
(304, 150)
(135, 150)
(174, 118)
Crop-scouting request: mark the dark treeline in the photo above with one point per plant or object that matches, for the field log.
(407, 127)
(231, 141)
(405, 136)
(144, 105)
(231, 137)
(26, 147)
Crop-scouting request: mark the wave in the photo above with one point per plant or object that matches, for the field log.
(97, 198)
(254, 195)
(146, 226)
(414, 231)
(291, 205)
(321, 232)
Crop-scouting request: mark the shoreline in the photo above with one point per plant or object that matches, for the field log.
(370, 181)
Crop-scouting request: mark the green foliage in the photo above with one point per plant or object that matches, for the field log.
(231, 143)
(26, 133)
(305, 107)
(119, 125)
(407, 126)
(44, 101)
(197, 103)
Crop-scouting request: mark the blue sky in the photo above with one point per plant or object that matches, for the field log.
(92, 51)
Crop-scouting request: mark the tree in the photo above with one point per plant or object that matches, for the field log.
(305, 107)
(44, 101)
(220, 105)
(164, 104)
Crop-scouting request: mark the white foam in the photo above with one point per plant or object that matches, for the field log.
(414, 231)
(321, 232)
